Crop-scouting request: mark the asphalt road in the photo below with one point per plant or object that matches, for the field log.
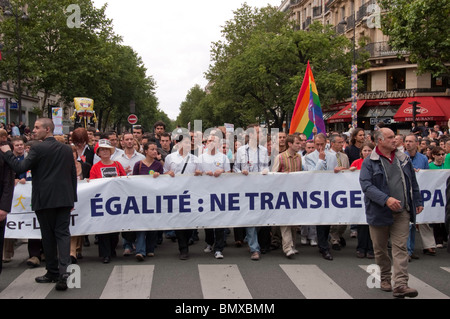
(273, 277)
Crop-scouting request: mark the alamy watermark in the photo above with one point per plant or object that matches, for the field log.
(373, 281)
(74, 279)
(374, 19)
(74, 19)
(233, 138)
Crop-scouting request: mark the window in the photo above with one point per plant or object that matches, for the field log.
(440, 82)
(396, 80)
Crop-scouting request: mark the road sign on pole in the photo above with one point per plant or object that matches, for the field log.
(132, 119)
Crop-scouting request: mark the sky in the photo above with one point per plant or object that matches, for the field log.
(174, 39)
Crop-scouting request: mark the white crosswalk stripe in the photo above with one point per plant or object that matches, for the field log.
(313, 282)
(129, 282)
(25, 287)
(425, 290)
(217, 281)
(222, 282)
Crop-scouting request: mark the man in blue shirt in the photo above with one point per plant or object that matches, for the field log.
(419, 162)
(14, 129)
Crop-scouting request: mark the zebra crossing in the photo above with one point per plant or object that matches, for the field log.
(217, 281)
(236, 277)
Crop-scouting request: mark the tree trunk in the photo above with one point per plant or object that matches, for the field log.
(99, 120)
(107, 118)
(44, 102)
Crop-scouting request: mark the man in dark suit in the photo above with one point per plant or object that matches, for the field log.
(447, 211)
(54, 191)
(6, 194)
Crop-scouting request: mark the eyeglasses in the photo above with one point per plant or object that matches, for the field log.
(440, 154)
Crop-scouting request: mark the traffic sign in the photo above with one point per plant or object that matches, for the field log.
(132, 119)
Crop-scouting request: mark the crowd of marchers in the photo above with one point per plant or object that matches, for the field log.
(155, 152)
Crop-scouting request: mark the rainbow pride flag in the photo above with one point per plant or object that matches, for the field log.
(307, 112)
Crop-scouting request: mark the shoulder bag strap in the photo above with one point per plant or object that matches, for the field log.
(185, 164)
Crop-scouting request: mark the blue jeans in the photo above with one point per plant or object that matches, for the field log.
(146, 242)
(411, 239)
(252, 239)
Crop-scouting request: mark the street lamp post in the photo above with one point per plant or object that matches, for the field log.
(15, 13)
(354, 76)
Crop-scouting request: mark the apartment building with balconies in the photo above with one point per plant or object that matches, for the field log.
(389, 83)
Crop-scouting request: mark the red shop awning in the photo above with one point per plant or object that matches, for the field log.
(345, 115)
(430, 109)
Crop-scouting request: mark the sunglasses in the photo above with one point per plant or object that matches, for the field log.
(440, 154)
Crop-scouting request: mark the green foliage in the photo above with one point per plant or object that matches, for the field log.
(188, 107)
(83, 61)
(259, 67)
(421, 28)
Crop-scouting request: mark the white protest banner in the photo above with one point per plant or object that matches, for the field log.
(231, 200)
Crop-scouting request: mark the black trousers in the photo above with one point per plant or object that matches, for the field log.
(107, 244)
(54, 223)
(183, 236)
(264, 237)
(35, 248)
(2, 240)
(364, 241)
(323, 231)
(239, 233)
(215, 237)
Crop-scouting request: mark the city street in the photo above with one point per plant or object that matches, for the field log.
(274, 276)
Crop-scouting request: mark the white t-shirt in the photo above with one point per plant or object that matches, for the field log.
(175, 162)
(208, 162)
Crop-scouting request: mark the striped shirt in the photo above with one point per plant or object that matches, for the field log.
(285, 162)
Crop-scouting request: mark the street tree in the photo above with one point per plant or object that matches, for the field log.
(421, 28)
(52, 51)
(259, 66)
(71, 50)
(189, 106)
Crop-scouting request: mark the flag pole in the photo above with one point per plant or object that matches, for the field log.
(354, 95)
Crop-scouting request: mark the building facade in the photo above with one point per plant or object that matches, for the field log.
(31, 106)
(390, 83)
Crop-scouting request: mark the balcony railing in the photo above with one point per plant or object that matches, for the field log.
(350, 22)
(363, 10)
(382, 49)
